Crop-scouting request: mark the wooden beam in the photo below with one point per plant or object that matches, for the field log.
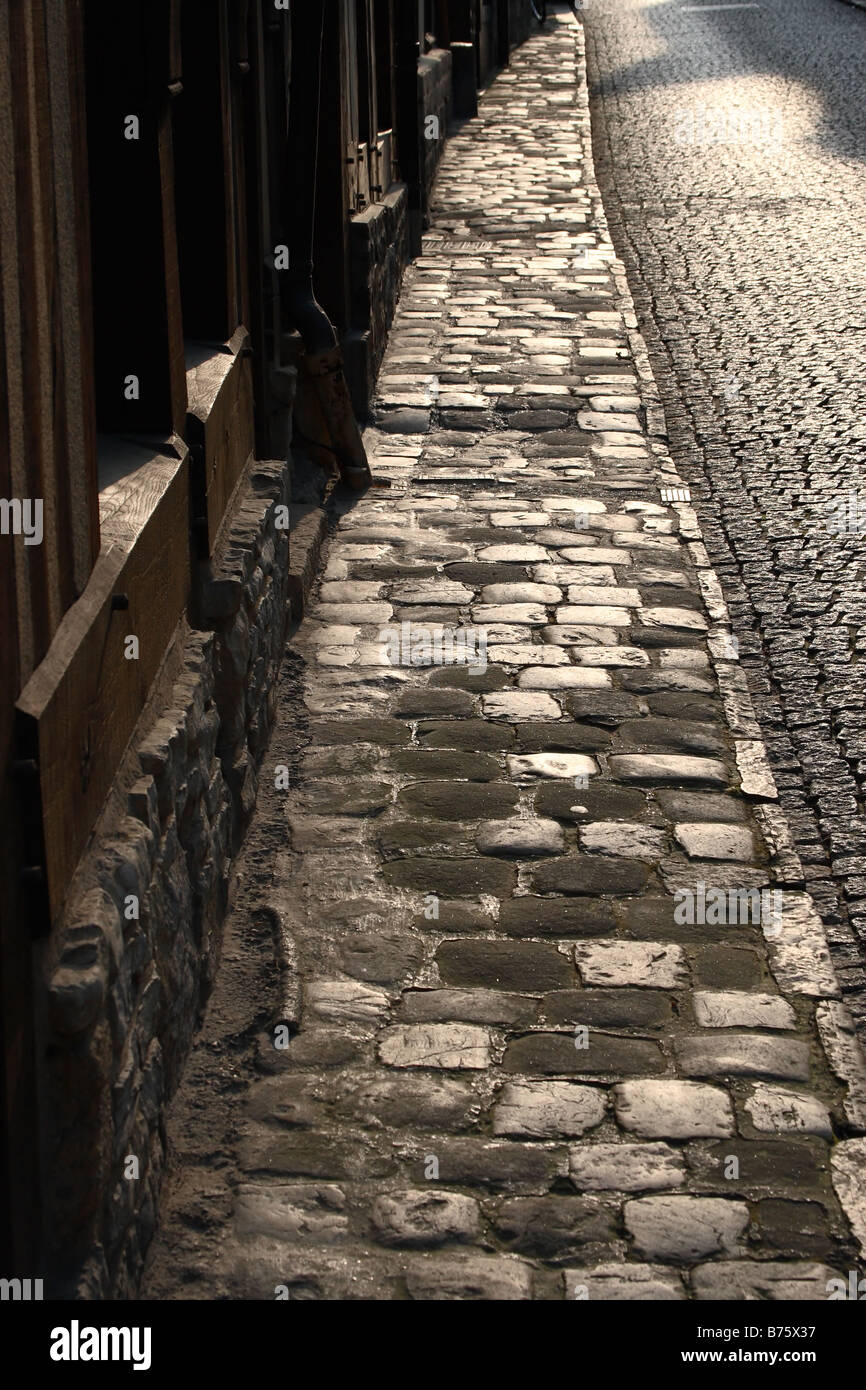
(47, 455)
(19, 1187)
(80, 706)
(78, 321)
(383, 25)
(220, 432)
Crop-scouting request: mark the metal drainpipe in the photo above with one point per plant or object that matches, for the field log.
(323, 360)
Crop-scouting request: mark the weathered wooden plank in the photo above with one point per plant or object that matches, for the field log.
(18, 1158)
(8, 635)
(78, 319)
(30, 351)
(44, 256)
(81, 704)
(383, 29)
(47, 455)
(220, 429)
(75, 472)
(12, 446)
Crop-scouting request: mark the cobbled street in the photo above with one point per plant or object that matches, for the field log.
(730, 149)
(525, 994)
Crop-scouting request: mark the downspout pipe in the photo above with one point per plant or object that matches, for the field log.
(323, 362)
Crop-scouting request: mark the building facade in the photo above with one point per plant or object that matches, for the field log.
(208, 207)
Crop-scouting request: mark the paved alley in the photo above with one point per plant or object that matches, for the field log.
(730, 144)
(523, 995)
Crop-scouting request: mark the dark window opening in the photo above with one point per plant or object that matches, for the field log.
(138, 366)
(383, 29)
(204, 176)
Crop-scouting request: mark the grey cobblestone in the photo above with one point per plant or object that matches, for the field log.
(501, 1002)
(625, 1167)
(738, 1280)
(547, 1109)
(424, 1218)
(764, 425)
(673, 1109)
(653, 1283)
(775, 1110)
(685, 1229)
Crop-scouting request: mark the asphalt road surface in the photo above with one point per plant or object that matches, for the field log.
(730, 146)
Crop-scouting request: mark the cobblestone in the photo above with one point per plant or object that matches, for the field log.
(618, 963)
(741, 1010)
(424, 1218)
(756, 342)
(685, 1229)
(553, 1227)
(472, 1278)
(775, 1110)
(745, 1055)
(435, 1045)
(547, 1109)
(652, 1283)
(487, 1094)
(710, 841)
(738, 1280)
(673, 1109)
(625, 1167)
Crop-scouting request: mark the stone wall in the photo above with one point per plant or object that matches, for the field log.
(379, 239)
(434, 94)
(378, 255)
(124, 976)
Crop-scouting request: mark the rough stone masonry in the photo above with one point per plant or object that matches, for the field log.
(462, 1045)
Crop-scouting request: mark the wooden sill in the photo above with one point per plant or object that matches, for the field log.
(80, 707)
(219, 429)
